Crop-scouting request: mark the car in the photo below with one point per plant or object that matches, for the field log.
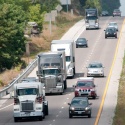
(81, 42)
(95, 69)
(105, 13)
(110, 32)
(80, 106)
(113, 24)
(116, 12)
(85, 87)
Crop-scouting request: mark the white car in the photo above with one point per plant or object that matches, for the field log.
(113, 24)
(95, 69)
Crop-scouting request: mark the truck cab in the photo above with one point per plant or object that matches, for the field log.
(52, 71)
(29, 101)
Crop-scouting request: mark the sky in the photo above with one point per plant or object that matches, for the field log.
(122, 8)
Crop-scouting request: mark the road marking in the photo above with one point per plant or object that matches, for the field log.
(108, 80)
(6, 107)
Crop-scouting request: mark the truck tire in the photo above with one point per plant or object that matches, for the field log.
(74, 71)
(65, 84)
(46, 109)
(15, 119)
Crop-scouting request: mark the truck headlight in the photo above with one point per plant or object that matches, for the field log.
(38, 108)
(70, 70)
(16, 109)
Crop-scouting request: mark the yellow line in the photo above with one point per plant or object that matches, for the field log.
(108, 80)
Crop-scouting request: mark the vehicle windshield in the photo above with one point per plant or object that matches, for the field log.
(95, 66)
(112, 24)
(91, 17)
(68, 58)
(79, 102)
(51, 72)
(81, 40)
(27, 91)
(116, 10)
(86, 83)
(110, 29)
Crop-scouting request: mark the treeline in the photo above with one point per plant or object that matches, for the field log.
(14, 14)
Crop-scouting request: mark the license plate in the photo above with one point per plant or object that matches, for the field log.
(79, 112)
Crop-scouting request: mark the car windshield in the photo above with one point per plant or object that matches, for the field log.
(51, 72)
(110, 29)
(81, 40)
(84, 83)
(27, 91)
(79, 102)
(116, 10)
(95, 66)
(91, 17)
(112, 24)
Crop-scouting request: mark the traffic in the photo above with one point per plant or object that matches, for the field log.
(70, 80)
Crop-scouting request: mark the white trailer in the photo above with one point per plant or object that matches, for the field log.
(68, 47)
(29, 101)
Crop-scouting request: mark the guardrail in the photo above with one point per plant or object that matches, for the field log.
(29, 69)
(23, 75)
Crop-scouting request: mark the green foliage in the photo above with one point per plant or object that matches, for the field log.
(12, 39)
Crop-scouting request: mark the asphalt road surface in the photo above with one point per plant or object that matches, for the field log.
(99, 49)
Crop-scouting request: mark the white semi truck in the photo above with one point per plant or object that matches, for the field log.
(91, 18)
(29, 101)
(52, 71)
(68, 47)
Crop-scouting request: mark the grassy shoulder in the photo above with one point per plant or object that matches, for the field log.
(119, 118)
(63, 22)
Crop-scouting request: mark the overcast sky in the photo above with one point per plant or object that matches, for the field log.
(122, 8)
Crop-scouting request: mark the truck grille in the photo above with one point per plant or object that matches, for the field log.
(50, 82)
(27, 106)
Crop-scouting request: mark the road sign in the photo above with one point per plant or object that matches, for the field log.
(59, 8)
(54, 13)
(49, 16)
(65, 2)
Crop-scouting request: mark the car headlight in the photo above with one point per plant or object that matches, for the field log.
(107, 33)
(87, 108)
(77, 90)
(72, 108)
(92, 89)
(114, 33)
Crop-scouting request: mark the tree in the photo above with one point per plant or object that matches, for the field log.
(12, 41)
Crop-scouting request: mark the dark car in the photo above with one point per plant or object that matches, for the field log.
(80, 106)
(110, 32)
(105, 13)
(81, 42)
(116, 12)
(85, 87)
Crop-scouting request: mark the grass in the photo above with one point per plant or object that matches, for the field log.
(119, 118)
(41, 44)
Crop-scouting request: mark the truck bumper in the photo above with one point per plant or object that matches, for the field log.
(27, 114)
(92, 26)
(54, 90)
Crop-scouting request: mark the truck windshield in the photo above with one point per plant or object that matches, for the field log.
(91, 17)
(51, 72)
(68, 59)
(27, 91)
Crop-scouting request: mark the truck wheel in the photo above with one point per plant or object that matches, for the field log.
(46, 110)
(65, 84)
(74, 71)
(15, 119)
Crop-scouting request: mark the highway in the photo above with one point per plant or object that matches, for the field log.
(99, 49)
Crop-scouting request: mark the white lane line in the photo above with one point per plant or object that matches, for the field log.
(54, 120)
(6, 107)
(57, 115)
(62, 107)
(60, 111)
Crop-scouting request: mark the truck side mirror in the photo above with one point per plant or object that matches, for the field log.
(73, 59)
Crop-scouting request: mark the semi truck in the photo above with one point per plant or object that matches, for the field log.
(68, 47)
(91, 18)
(52, 71)
(29, 101)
